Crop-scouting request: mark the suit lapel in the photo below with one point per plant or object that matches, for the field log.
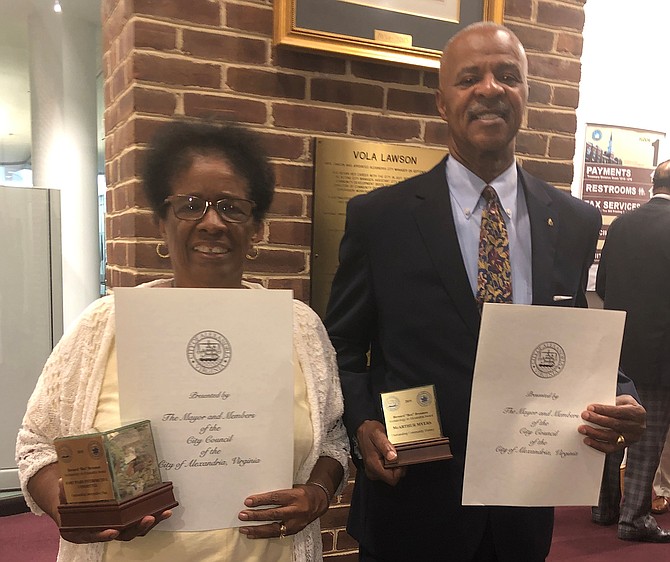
(544, 227)
(435, 221)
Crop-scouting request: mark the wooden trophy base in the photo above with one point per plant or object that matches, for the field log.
(98, 516)
(420, 452)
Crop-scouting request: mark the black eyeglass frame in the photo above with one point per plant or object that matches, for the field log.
(209, 203)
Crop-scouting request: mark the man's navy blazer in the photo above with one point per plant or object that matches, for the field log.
(402, 292)
(633, 276)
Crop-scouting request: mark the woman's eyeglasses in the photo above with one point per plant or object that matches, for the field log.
(193, 208)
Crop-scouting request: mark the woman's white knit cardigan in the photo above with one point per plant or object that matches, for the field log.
(65, 400)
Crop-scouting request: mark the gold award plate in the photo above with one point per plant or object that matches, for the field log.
(413, 426)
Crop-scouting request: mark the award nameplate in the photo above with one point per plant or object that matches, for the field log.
(111, 479)
(413, 426)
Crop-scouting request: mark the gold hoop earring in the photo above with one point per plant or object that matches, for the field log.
(252, 254)
(164, 256)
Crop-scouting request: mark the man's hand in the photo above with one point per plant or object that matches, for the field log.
(620, 425)
(374, 447)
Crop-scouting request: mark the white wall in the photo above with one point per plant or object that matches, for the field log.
(625, 81)
(63, 70)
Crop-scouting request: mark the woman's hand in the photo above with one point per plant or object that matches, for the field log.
(47, 490)
(138, 529)
(289, 511)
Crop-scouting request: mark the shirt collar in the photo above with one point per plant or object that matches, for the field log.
(466, 188)
(661, 196)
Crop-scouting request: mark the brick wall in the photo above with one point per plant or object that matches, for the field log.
(208, 57)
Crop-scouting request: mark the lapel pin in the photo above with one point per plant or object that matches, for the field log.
(550, 222)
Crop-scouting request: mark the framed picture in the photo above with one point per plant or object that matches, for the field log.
(409, 32)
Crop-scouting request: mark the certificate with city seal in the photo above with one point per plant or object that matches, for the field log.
(213, 371)
(537, 369)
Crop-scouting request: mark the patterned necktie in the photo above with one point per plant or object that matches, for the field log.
(494, 275)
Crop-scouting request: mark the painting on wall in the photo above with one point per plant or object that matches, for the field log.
(409, 32)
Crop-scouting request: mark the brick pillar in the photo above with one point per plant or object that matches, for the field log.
(552, 35)
(209, 57)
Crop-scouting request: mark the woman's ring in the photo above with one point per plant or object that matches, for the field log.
(282, 530)
(621, 440)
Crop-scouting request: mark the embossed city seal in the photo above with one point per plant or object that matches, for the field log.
(64, 454)
(208, 352)
(94, 450)
(392, 403)
(424, 398)
(547, 360)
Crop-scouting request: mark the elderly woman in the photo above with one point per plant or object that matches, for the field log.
(210, 187)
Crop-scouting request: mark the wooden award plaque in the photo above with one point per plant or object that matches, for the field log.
(413, 426)
(111, 478)
(420, 452)
(101, 515)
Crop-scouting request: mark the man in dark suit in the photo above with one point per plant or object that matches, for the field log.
(404, 292)
(633, 276)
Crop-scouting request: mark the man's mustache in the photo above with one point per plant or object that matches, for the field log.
(498, 108)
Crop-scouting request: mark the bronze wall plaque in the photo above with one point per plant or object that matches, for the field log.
(344, 168)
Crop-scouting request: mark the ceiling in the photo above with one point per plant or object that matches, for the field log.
(15, 145)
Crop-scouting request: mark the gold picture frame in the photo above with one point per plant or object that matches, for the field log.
(360, 30)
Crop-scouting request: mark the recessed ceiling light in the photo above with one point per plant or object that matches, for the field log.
(57, 7)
